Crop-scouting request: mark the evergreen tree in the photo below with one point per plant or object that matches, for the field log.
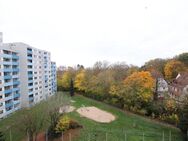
(71, 88)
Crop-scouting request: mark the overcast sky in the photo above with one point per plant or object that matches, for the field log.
(86, 31)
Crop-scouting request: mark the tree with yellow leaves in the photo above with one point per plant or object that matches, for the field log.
(80, 80)
(138, 89)
(172, 68)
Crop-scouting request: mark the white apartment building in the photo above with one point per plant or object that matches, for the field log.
(36, 75)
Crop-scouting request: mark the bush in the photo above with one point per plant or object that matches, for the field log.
(73, 125)
(172, 119)
(63, 124)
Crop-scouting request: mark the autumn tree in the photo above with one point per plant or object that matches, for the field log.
(71, 87)
(67, 76)
(183, 58)
(138, 89)
(80, 80)
(172, 68)
(157, 64)
(52, 109)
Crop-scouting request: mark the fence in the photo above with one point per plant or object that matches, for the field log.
(113, 135)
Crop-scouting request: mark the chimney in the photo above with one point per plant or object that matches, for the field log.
(1, 38)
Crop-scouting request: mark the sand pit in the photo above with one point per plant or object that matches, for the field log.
(96, 114)
(66, 109)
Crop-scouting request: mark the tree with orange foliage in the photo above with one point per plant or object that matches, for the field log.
(138, 89)
(172, 68)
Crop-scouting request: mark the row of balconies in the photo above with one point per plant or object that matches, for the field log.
(10, 56)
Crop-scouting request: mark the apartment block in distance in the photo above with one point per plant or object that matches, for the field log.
(32, 76)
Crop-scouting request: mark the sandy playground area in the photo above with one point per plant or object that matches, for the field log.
(96, 114)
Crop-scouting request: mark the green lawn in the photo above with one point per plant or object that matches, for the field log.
(127, 127)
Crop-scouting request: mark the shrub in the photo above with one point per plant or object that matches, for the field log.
(172, 119)
(73, 125)
(63, 124)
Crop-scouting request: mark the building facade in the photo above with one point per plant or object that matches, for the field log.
(10, 99)
(27, 76)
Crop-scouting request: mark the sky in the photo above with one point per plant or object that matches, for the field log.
(86, 31)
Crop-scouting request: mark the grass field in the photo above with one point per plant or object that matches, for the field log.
(127, 127)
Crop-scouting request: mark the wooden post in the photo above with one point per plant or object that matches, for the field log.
(106, 136)
(170, 136)
(10, 135)
(125, 136)
(88, 136)
(163, 136)
(62, 136)
(47, 135)
(143, 137)
(27, 136)
(70, 138)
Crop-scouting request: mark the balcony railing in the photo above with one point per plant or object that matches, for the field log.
(30, 57)
(7, 70)
(7, 56)
(7, 77)
(29, 51)
(8, 84)
(8, 91)
(7, 62)
(15, 69)
(7, 105)
(15, 57)
(16, 95)
(16, 102)
(16, 82)
(30, 75)
(15, 89)
(15, 63)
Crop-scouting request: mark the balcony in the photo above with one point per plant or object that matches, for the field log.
(7, 70)
(8, 98)
(7, 56)
(7, 105)
(15, 57)
(8, 84)
(7, 63)
(15, 89)
(30, 57)
(30, 75)
(30, 81)
(8, 91)
(15, 69)
(16, 82)
(15, 63)
(7, 77)
(29, 51)
(30, 93)
(16, 102)
(30, 63)
(16, 95)
(15, 76)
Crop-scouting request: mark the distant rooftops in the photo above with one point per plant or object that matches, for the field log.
(181, 79)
